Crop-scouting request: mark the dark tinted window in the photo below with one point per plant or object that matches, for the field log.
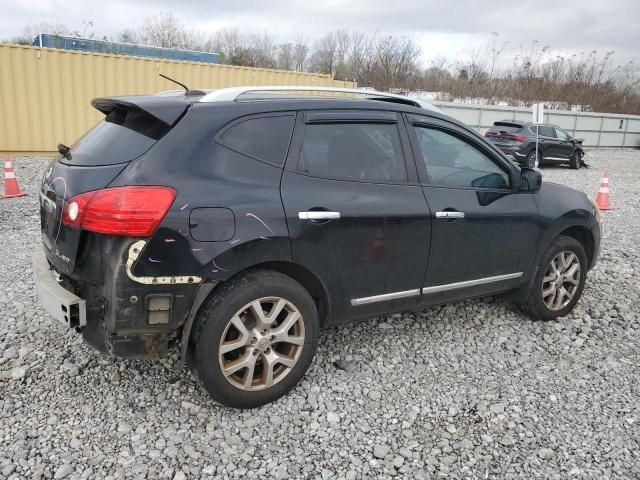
(353, 151)
(263, 138)
(119, 138)
(546, 131)
(499, 127)
(451, 161)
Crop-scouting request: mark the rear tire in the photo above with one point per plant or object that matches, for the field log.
(576, 160)
(559, 282)
(254, 339)
(532, 160)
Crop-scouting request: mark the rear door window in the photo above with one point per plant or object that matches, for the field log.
(368, 152)
(264, 138)
(546, 131)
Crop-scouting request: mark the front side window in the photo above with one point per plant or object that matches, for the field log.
(263, 138)
(451, 161)
(562, 135)
(368, 152)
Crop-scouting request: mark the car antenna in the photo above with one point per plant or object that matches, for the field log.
(187, 92)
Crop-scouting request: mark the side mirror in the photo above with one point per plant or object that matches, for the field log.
(530, 180)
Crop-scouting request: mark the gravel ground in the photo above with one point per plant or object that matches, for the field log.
(469, 390)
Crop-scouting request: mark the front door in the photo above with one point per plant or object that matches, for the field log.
(484, 232)
(357, 216)
(565, 145)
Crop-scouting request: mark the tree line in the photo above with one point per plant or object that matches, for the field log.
(589, 81)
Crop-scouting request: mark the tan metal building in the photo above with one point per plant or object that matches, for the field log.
(45, 94)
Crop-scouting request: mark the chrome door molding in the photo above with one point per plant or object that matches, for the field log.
(385, 297)
(471, 283)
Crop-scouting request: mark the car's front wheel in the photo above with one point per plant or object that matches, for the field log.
(560, 280)
(254, 339)
(576, 160)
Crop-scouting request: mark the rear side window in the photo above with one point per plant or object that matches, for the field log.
(123, 135)
(545, 131)
(262, 138)
(369, 152)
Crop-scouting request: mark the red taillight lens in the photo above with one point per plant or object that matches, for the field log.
(126, 211)
(516, 138)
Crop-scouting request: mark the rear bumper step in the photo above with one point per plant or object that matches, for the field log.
(59, 302)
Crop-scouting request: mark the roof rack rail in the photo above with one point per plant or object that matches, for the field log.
(232, 94)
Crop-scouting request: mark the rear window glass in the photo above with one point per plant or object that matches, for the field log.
(122, 136)
(263, 138)
(505, 128)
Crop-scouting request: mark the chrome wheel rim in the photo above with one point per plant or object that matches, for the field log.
(561, 280)
(261, 343)
(533, 160)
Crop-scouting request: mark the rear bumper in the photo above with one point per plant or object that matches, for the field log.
(60, 303)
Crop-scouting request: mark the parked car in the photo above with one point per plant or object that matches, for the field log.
(236, 224)
(518, 140)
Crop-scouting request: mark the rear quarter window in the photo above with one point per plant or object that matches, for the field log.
(262, 138)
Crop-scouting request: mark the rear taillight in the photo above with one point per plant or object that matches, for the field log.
(127, 211)
(516, 138)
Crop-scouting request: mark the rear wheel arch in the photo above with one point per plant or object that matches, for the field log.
(310, 282)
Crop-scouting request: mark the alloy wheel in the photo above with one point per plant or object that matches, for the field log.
(261, 343)
(561, 280)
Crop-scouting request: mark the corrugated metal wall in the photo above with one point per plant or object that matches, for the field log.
(597, 129)
(45, 93)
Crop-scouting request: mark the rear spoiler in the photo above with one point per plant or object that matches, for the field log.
(168, 110)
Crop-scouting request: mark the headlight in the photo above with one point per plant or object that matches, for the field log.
(596, 209)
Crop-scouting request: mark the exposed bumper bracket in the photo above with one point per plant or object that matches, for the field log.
(61, 304)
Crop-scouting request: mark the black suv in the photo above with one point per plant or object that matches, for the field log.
(236, 224)
(518, 140)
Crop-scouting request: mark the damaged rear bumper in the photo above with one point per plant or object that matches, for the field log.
(60, 303)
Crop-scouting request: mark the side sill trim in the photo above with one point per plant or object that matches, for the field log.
(471, 283)
(385, 297)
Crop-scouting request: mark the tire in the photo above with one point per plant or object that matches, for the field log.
(575, 161)
(537, 305)
(531, 161)
(230, 319)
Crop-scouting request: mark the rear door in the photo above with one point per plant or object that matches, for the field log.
(357, 216)
(484, 232)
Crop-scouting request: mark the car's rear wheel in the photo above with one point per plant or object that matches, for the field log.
(575, 160)
(254, 339)
(532, 160)
(560, 280)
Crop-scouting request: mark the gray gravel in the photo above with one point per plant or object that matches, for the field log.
(470, 390)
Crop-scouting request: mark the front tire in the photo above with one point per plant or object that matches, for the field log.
(576, 160)
(254, 339)
(560, 280)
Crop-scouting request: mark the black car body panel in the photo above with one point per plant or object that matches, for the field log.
(237, 207)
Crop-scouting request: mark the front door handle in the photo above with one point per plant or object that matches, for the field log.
(318, 215)
(449, 214)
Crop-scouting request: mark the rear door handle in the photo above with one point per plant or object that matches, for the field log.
(318, 215)
(449, 214)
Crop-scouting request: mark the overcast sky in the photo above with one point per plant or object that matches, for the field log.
(443, 28)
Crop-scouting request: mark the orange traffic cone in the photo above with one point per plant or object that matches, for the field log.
(11, 187)
(602, 199)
